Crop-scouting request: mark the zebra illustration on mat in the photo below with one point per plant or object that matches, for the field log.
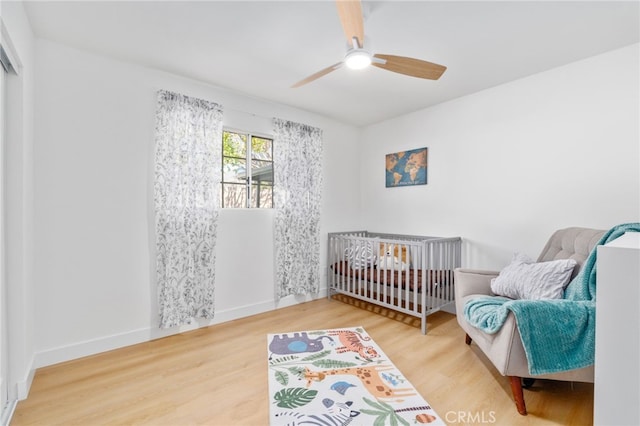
(339, 414)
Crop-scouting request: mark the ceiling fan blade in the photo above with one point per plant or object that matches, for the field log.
(410, 66)
(317, 75)
(350, 12)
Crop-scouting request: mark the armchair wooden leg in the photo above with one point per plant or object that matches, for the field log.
(518, 396)
(467, 339)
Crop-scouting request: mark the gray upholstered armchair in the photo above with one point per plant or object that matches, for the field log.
(505, 349)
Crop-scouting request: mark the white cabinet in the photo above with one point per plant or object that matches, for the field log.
(617, 366)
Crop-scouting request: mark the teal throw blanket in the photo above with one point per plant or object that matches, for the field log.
(558, 334)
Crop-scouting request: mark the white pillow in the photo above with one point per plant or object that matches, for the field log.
(360, 257)
(524, 279)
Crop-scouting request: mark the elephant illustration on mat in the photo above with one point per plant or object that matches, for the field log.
(299, 343)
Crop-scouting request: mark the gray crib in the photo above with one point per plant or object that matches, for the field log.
(411, 274)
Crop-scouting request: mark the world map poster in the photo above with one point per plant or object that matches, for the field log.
(406, 168)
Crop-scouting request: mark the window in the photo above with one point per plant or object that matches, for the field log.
(247, 170)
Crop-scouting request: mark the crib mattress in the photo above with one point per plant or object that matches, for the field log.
(411, 277)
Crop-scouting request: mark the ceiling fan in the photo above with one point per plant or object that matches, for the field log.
(357, 57)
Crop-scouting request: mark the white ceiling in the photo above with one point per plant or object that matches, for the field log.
(261, 48)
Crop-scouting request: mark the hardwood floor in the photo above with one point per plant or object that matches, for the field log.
(218, 375)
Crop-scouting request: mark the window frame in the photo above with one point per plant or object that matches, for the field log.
(249, 167)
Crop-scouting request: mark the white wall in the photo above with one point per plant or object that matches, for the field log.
(95, 276)
(511, 164)
(19, 209)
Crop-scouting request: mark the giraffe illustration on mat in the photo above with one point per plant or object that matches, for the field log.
(352, 342)
(368, 375)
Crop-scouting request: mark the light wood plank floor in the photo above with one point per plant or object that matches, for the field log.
(218, 375)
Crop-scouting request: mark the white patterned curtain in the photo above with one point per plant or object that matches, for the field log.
(297, 195)
(186, 194)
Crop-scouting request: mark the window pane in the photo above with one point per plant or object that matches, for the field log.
(234, 170)
(262, 195)
(234, 196)
(261, 148)
(238, 170)
(234, 144)
(262, 171)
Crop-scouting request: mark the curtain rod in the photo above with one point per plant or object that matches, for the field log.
(224, 108)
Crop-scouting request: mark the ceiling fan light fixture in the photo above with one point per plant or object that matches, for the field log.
(357, 59)
(352, 19)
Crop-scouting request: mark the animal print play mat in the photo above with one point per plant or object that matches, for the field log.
(339, 377)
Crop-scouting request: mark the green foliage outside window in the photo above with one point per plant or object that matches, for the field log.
(247, 171)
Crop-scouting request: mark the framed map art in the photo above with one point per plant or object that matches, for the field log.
(406, 168)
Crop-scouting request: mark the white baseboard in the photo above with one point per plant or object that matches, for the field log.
(90, 347)
(23, 386)
(18, 393)
(450, 308)
(103, 344)
(7, 413)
